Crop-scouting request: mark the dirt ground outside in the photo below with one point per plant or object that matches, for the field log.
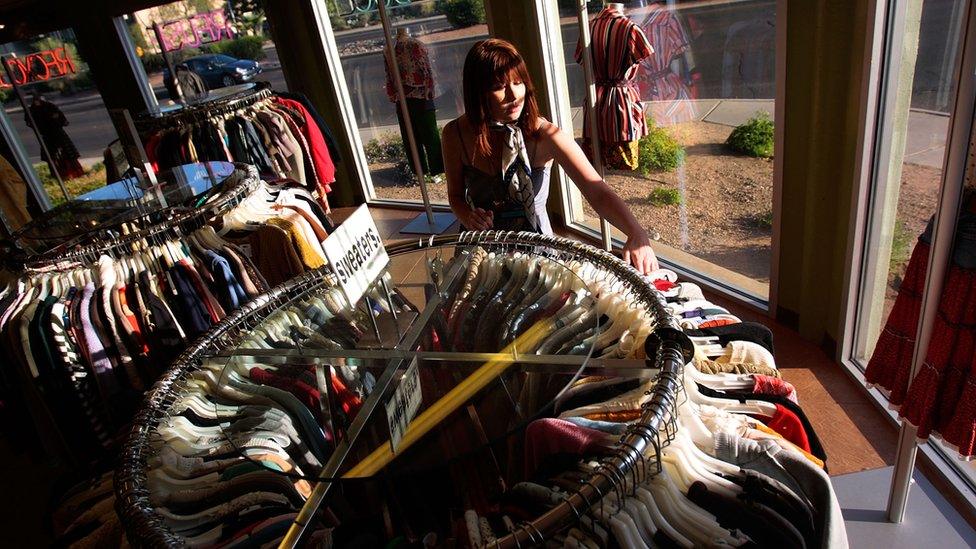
(725, 214)
(725, 198)
(917, 201)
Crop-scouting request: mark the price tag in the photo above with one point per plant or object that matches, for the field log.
(402, 408)
(356, 253)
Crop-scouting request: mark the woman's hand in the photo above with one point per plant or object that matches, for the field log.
(475, 219)
(638, 252)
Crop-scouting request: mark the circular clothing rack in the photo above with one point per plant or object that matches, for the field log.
(126, 201)
(187, 196)
(635, 455)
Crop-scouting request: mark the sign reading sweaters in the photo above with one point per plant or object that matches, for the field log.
(356, 253)
(403, 406)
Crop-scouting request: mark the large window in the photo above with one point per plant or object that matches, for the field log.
(210, 44)
(712, 70)
(65, 128)
(916, 100)
(431, 44)
(916, 103)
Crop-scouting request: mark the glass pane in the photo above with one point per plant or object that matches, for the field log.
(431, 48)
(905, 195)
(211, 45)
(67, 111)
(919, 128)
(711, 70)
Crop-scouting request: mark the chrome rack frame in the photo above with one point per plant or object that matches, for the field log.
(180, 220)
(196, 112)
(636, 454)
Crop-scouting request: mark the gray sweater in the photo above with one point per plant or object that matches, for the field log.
(793, 470)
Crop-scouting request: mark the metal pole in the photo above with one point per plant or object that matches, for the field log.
(344, 447)
(33, 123)
(584, 35)
(135, 65)
(404, 112)
(954, 168)
(169, 63)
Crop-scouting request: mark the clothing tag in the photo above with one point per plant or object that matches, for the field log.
(246, 248)
(401, 409)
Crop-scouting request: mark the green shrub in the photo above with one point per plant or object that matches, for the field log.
(373, 150)
(754, 138)
(663, 196)
(763, 220)
(81, 82)
(338, 22)
(901, 244)
(244, 47)
(153, 62)
(388, 148)
(403, 174)
(462, 13)
(658, 151)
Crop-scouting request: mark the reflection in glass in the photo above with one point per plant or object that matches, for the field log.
(431, 45)
(501, 353)
(210, 46)
(711, 70)
(121, 201)
(416, 77)
(906, 201)
(55, 103)
(618, 46)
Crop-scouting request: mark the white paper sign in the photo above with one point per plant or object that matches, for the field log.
(356, 253)
(402, 408)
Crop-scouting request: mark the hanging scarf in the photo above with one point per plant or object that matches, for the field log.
(516, 173)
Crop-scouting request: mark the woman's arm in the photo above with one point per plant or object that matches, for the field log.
(637, 250)
(472, 218)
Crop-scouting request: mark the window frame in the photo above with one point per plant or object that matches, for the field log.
(338, 78)
(572, 201)
(879, 86)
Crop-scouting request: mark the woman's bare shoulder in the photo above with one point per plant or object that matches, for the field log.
(545, 128)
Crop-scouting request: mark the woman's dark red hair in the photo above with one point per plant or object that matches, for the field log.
(488, 63)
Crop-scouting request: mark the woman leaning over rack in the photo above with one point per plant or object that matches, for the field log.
(497, 156)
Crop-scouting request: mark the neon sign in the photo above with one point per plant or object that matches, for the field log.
(41, 66)
(196, 30)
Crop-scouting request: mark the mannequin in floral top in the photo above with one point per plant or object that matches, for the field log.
(418, 87)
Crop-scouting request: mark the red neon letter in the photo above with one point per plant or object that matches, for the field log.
(64, 60)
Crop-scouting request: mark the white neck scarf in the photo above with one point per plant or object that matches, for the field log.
(516, 172)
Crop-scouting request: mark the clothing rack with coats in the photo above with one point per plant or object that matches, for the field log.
(280, 134)
(583, 427)
(87, 329)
